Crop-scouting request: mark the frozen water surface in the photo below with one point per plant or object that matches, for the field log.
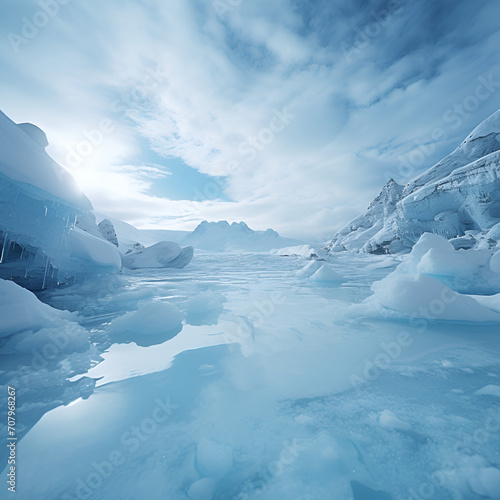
(272, 387)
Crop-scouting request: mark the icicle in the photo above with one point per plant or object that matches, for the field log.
(45, 211)
(45, 272)
(27, 266)
(3, 248)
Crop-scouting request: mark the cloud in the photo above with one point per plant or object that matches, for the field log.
(306, 107)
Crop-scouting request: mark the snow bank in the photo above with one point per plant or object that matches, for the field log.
(163, 254)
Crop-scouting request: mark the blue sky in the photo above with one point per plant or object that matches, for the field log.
(286, 114)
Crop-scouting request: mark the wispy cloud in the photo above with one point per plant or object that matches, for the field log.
(362, 82)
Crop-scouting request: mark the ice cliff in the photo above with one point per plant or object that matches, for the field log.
(48, 233)
(458, 198)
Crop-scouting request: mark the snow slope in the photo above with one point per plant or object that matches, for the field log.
(48, 232)
(236, 237)
(458, 198)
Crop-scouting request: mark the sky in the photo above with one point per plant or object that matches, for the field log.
(288, 114)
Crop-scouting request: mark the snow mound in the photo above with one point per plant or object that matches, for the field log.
(163, 254)
(236, 237)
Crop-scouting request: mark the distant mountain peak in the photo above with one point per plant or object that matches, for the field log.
(221, 236)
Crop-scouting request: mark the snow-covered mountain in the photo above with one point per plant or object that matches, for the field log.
(48, 233)
(458, 198)
(236, 237)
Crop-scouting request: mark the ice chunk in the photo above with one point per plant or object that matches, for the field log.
(21, 311)
(96, 250)
(486, 482)
(107, 230)
(213, 459)
(153, 322)
(421, 296)
(389, 421)
(308, 270)
(326, 274)
(204, 308)
(203, 489)
(183, 259)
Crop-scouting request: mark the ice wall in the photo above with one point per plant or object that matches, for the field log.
(41, 244)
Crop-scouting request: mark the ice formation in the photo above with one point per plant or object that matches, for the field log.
(162, 254)
(458, 198)
(41, 241)
(437, 282)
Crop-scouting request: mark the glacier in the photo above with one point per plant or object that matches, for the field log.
(458, 198)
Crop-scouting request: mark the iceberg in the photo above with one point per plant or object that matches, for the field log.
(48, 233)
